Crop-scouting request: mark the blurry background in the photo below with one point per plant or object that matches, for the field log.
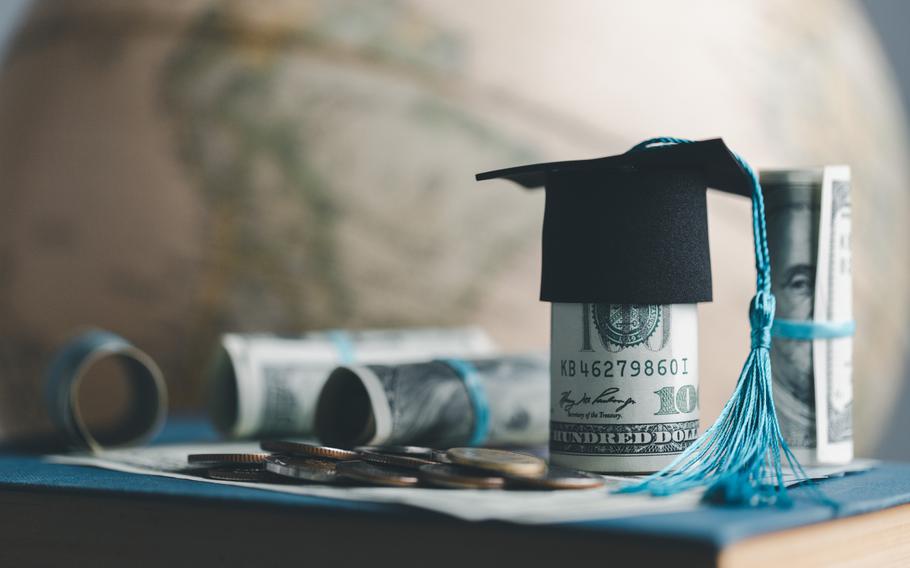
(171, 171)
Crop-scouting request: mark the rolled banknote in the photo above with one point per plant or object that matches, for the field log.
(265, 385)
(498, 401)
(624, 385)
(808, 219)
(71, 367)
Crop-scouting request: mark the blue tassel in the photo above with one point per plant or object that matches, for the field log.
(739, 458)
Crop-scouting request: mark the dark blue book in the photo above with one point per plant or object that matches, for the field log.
(54, 514)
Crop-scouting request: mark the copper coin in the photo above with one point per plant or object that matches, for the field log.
(458, 477)
(218, 460)
(307, 469)
(393, 459)
(376, 474)
(308, 450)
(500, 461)
(557, 478)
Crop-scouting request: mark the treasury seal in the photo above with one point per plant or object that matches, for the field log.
(625, 325)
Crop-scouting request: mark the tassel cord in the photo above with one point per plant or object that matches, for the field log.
(739, 459)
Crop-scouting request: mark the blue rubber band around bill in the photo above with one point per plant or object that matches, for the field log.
(792, 329)
(478, 397)
(344, 345)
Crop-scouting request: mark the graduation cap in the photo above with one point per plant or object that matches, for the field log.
(632, 229)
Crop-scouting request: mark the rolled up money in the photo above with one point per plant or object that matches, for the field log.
(808, 215)
(624, 391)
(71, 367)
(496, 402)
(264, 385)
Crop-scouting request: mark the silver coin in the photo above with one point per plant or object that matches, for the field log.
(376, 474)
(246, 474)
(409, 451)
(440, 456)
(500, 461)
(458, 477)
(306, 469)
(557, 478)
(395, 460)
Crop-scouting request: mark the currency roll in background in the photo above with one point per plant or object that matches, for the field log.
(495, 401)
(808, 214)
(624, 390)
(264, 385)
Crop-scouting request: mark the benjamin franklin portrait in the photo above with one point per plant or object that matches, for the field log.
(792, 219)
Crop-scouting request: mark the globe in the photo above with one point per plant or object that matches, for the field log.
(173, 171)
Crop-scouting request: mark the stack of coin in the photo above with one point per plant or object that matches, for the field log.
(458, 477)
(305, 462)
(305, 450)
(500, 461)
(377, 474)
(406, 461)
(409, 451)
(480, 468)
(391, 466)
(248, 468)
(223, 460)
(483, 468)
(302, 468)
(253, 474)
(556, 478)
(291, 461)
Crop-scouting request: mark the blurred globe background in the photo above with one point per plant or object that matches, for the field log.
(172, 171)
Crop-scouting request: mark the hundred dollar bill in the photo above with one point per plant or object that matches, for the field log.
(498, 401)
(266, 385)
(808, 219)
(624, 385)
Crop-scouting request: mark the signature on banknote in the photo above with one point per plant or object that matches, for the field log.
(606, 397)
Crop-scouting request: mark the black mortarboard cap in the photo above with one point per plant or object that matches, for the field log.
(631, 228)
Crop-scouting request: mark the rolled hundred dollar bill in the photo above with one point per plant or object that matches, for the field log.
(498, 401)
(808, 217)
(265, 385)
(624, 385)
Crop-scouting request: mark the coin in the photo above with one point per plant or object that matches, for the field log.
(500, 461)
(396, 460)
(457, 477)
(244, 473)
(410, 451)
(307, 469)
(218, 460)
(440, 456)
(308, 450)
(378, 474)
(557, 478)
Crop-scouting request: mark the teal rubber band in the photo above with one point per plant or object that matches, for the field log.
(807, 330)
(343, 345)
(478, 397)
